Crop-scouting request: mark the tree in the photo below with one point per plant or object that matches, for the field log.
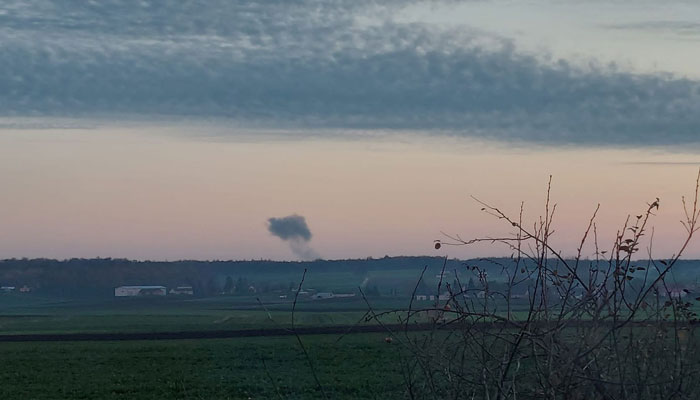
(373, 291)
(228, 286)
(423, 289)
(241, 286)
(212, 287)
(470, 285)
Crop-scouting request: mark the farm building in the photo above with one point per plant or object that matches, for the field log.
(675, 291)
(443, 275)
(182, 290)
(134, 291)
(331, 295)
(526, 295)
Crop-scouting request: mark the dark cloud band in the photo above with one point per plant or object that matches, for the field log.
(311, 64)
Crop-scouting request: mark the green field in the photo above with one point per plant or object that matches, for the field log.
(359, 366)
(28, 314)
(350, 366)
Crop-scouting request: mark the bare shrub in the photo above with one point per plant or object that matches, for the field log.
(608, 324)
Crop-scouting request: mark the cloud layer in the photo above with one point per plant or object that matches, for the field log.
(321, 64)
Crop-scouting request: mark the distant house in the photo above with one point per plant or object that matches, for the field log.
(25, 289)
(139, 291)
(443, 275)
(524, 295)
(182, 291)
(675, 291)
(7, 289)
(423, 297)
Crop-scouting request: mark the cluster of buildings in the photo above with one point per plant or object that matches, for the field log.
(10, 289)
(312, 294)
(151, 291)
(675, 291)
(431, 297)
(331, 295)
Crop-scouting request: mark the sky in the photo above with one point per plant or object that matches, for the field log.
(183, 129)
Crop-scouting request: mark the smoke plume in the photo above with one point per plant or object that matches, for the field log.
(293, 230)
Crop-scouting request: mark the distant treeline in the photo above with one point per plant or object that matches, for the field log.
(77, 278)
(97, 277)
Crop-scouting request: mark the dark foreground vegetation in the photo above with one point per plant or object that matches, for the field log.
(356, 367)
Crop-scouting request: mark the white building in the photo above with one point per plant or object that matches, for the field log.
(182, 290)
(443, 297)
(133, 291)
(443, 275)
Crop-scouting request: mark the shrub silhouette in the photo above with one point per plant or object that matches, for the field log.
(610, 327)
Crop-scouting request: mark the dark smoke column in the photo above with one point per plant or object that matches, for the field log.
(293, 230)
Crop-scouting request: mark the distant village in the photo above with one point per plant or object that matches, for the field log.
(422, 294)
(10, 289)
(154, 290)
(151, 290)
(455, 289)
(118, 278)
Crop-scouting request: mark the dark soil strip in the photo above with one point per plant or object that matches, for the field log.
(326, 330)
(223, 334)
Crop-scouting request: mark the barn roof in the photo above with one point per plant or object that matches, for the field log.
(142, 287)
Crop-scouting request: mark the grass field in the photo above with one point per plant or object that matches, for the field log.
(36, 315)
(359, 366)
(354, 366)
(30, 314)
